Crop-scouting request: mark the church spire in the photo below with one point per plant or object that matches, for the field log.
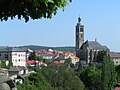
(79, 19)
(79, 35)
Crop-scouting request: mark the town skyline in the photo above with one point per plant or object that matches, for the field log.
(100, 18)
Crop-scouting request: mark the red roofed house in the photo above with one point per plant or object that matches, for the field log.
(115, 57)
(35, 63)
(117, 88)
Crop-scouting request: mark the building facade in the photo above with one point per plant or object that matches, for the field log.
(16, 54)
(88, 50)
(79, 36)
(115, 57)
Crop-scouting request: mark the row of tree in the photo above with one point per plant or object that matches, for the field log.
(6, 63)
(104, 77)
(65, 77)
(53, 77)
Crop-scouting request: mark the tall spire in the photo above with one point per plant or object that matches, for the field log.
(79, 35)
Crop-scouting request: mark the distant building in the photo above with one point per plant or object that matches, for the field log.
(5, 53)
(46, 54)
(115, 57)
(87, 51)
(16, 54)
(62, 57)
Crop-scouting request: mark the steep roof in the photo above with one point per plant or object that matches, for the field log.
(18, 49)
(97, 46)
(5, 48)
(12, 49)
(17, 68)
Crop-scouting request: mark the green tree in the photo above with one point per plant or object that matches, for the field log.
(40, 58)
(9, 64)
(71, 81)
(100, 55)
(62, 77)
(32, 56)
(39, 81)
(34, 9)
(105, 73)
(35, 81)
(53, 77)
(3, 64)
(91, 77)
(108, 74)
(117, 69)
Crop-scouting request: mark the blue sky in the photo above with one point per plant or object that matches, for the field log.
(100, 17)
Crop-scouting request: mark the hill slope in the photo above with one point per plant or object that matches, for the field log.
(64, 49)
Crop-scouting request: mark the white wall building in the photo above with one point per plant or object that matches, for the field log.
(16, 54)
(19, 58)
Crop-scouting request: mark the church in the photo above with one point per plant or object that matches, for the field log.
(86, 50)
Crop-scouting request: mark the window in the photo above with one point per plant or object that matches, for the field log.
(0, 54)
(81, 29)
(19, 60)
(116, 62)
(81, 35)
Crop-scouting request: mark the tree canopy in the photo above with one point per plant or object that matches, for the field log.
(34, 9)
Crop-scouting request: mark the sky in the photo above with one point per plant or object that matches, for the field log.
(101, 19)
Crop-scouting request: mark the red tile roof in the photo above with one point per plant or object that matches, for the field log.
(56, 62)
(30, 61)
(115, 55)
(117, 88)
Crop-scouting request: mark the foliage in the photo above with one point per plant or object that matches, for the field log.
(39, 58)
(53, 77)
(35, 81)
(62, 77)
(91, 77)
(4, 65)
(100, 55)
(9, 64)
(99, 78)
(34, 9)
(32, 56)
(117, 69)
(108, 74)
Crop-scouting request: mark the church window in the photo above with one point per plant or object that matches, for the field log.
(81, 29)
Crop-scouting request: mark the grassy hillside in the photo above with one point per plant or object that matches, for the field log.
(64, 49)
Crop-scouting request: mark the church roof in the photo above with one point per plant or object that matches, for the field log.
(97, 46)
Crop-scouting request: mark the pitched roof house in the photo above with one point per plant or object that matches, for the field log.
(89, 51)
(18, 55)
(115, 57)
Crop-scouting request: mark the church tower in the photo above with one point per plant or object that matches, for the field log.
(79, 35)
